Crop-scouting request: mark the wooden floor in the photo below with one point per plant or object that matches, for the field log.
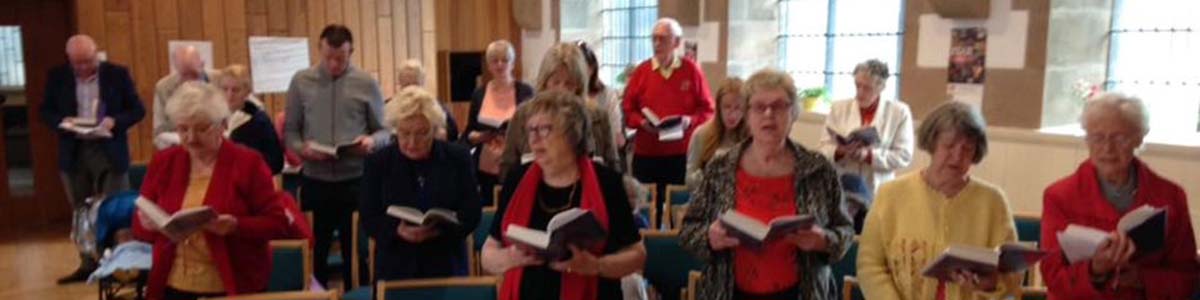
(31, 260)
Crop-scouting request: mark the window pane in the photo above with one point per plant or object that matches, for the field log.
(1152, 55)
(818, 54)
(626, 37)
(12, 62)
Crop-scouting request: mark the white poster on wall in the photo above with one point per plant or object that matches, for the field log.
(274, 60)
(205, 48)
(1007, 30)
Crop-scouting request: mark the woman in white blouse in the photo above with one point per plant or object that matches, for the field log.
(891, 119)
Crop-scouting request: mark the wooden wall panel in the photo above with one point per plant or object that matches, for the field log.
(277, 17)
(386, 32)
(191, 26)
(368, 38)
(316, 22)
(236, 33)
(351, 12)
(90, 19)
(214, 30)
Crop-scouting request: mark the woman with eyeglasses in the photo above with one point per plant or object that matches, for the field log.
(423, 173)
(764, 177)
(1109, 184)
(230, 255)
(561, 177)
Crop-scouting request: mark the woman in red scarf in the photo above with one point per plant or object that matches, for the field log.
(562, 177)
(230, 255)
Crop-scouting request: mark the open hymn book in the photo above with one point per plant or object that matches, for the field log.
(753, 233)
(1145, 225)
(669, 130)
(85, 127)
(433, 216)
(338, 150)
(575, 226)
(1008, 258)
(176, 226)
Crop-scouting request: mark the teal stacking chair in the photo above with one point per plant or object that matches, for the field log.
(291, 266)
(668, 266)
(477, 288)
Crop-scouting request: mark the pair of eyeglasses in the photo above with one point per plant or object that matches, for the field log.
(184, 130)
(1122, 140)
(763, 109)
(413, 135)
(539, 131)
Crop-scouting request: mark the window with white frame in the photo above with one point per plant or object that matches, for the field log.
(12, 63)
(626, 38)
(820, 41)
(1154, 54)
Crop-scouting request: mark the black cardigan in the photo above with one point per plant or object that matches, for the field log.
(388, 180)
(259, 134)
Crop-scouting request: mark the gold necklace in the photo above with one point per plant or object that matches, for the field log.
(555, 210)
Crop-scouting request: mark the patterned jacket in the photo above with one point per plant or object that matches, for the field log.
(818, 193)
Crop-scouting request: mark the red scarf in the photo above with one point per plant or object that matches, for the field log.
(520, 208)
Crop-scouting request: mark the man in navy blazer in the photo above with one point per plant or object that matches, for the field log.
(87, 93)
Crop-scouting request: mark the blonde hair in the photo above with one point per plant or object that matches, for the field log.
(239, 73)
(566, 57)
(498, 48)
(772, 79)
(197, 99)
(414, 101)
(412, 66)
(713, 132)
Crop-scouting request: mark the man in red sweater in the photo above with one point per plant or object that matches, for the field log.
(670, 87)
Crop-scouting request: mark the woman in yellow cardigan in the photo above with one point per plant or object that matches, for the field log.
(917, 216)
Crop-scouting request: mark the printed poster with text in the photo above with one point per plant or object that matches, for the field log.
(967, 72)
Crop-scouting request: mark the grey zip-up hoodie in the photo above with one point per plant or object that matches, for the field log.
(333, 111)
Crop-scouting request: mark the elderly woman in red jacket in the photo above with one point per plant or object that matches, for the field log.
(230, 255)
(1112, 182)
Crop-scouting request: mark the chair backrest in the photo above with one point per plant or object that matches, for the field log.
(302, 295)
(477, 238)
(478, 288)
(678, 194)
(1029, 226)
(486, 217)
(291, 266)
(363, 254)
(848, 266)
(667, 263)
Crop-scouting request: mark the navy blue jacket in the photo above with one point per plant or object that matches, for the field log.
(389, 179)
(259, 134)
(118, 99)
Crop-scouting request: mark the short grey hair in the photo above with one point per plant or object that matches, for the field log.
(567, 112)
(414, 101)
(1130, 108)
(954, 116)
(671, 24)
(412, 66)
(197, 99)
(873, 67)
(500, 48)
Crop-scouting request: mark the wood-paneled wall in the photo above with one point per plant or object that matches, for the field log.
(135, 33)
